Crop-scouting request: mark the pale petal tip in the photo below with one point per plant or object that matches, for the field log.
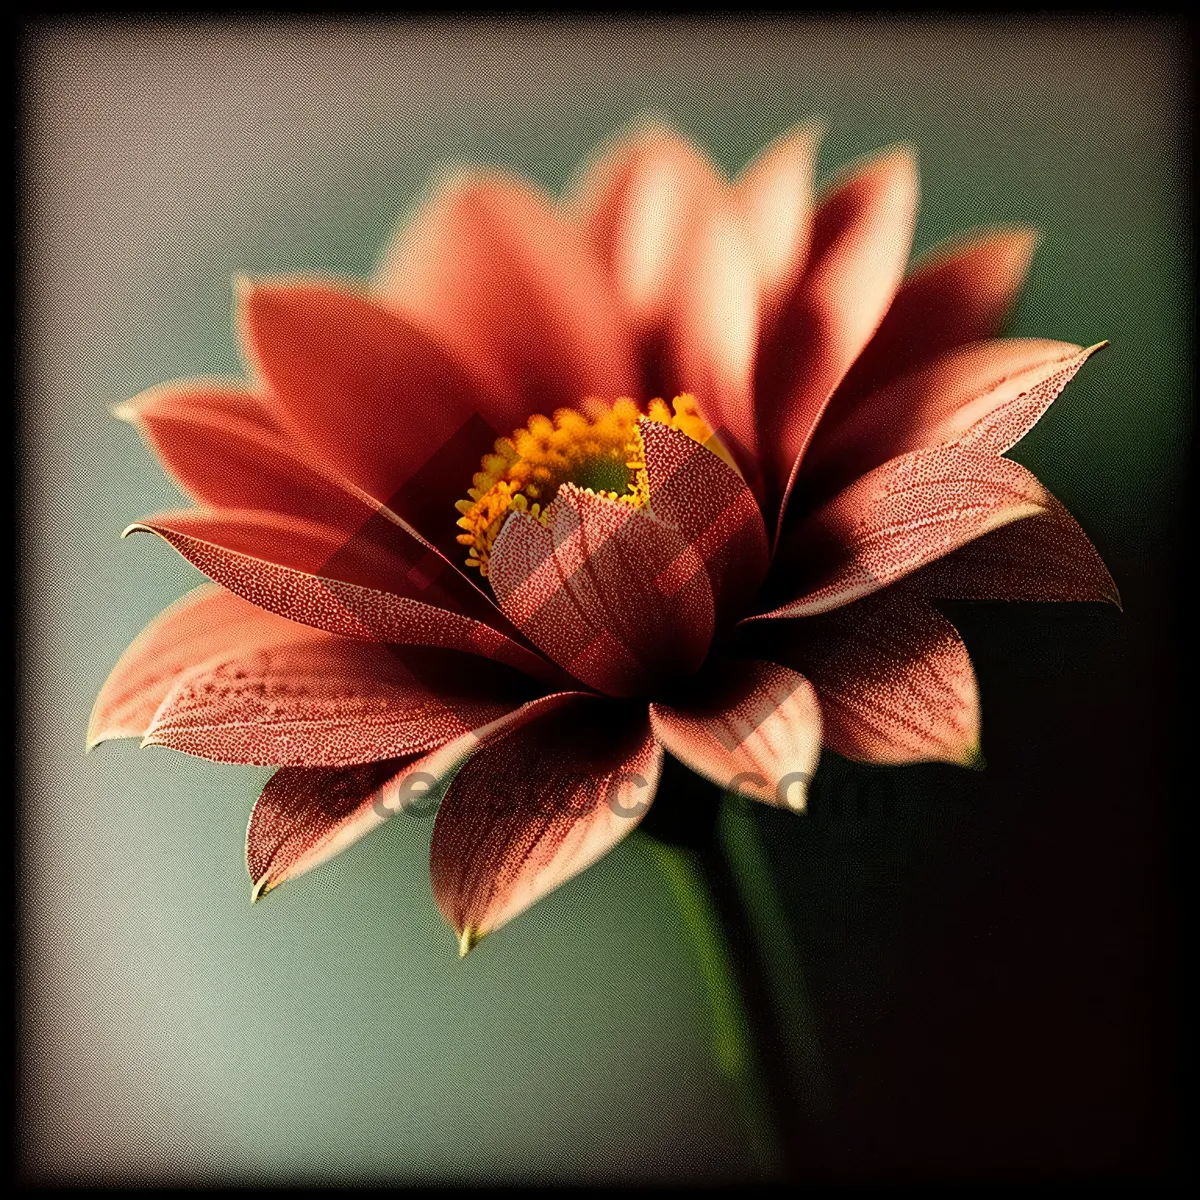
(262, 887)
(125, 411)
(468, 939)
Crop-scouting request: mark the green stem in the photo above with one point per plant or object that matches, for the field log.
(742, 845)
(733, 1041)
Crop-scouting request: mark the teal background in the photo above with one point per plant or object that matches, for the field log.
(988, 956)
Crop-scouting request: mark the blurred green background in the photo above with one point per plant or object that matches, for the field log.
(989, 956)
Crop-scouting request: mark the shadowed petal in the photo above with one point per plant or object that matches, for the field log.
(774, 197)
(367, 393)
(307, 815)
(617, 598)
(962, 292)
(861, 237)
(900, 517)
(222, 456)
(984, 397)
(207, 622)
(692, 490)
(1045, 557)
(752, 727)
(493, 271)
(326, 701)
(537, 805)
(310, 574)
(894, 679)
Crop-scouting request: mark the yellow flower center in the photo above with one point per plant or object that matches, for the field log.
(599, 449)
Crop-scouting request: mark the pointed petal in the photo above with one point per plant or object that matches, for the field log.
(962, 292)
(708, 338)
(894, 678)
(537, 805)
(327, 701)
(774, 196)
(861, 237)
(692, 490)
(307, 815)
(679, 255)
(208, 621)
(310, 574)
(493, 271)
(752, 727)
(223, 458)
(617, 598)
(900, 517)
(1046, 557)
(984, 397)
(211, 398)
(375, 399)
(637, 204)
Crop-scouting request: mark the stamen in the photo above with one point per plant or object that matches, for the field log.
(599, 450)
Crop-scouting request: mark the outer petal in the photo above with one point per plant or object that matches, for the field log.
(774, 196)
(305, 816)
(861, 239)
(984, 397)
(753, 727)
(367, 393)
(900, 517)
(537, 805)
(207, 622)
(493, 271)
(962, 292)
(327, 701)
(222, 454)
(616, 597)
(692, 490)
(308, 573)
(1046, 557)
(894, 678)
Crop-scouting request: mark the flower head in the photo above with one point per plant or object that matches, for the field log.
(675, 463)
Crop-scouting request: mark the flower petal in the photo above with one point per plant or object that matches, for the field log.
(209, 621)
(692, 490)
(307, 815)
(752, 727)
(537, 805)
(493, 271)
(223, 457)
(374, 398)
(326, 701)
(637, 204)
(677, 249)
(616, 597)
(962, 292)
(774, 196)
(707, 342)
(310, 574)
(861, 237)
(900, 517)
(984, 397)
(1045, 557)
(894, 679)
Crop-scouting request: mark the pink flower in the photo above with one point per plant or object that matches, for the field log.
(456, 532)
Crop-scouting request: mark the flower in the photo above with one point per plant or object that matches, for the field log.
(674, 463)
